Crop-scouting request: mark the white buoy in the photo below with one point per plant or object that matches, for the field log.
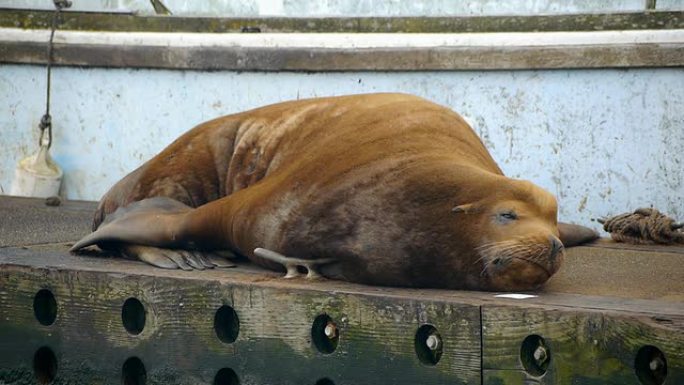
(37, 176)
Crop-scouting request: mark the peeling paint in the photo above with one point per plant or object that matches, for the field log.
(300, 8)
(604, 141)
(582, 204)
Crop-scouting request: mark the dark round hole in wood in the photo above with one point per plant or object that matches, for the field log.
(650, 365)
(44, 365)
(133, 372)
(226, 324)
(325, 381)
(428, 344)
(45, 307)
(226, 376)
(324, 334)
(133, 316)
(535, 355)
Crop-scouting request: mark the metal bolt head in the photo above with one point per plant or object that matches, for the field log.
(62, 4)
(330, 330)
(540, 355)
(655, 364)
(433, 342)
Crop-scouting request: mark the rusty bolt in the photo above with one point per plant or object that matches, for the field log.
(656, 364)
(540, 355)
(330, 330)
(433, 342)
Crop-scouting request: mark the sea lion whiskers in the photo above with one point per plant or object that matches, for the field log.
(537, 257)
(486, 246)
(485, 250)
(497, 255)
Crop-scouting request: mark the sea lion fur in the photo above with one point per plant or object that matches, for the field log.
(383, 189)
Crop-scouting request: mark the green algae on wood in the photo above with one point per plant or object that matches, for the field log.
(590, 347)
(273, 345)
(88, 21)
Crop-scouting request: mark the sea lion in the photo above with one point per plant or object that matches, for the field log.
(382, 189)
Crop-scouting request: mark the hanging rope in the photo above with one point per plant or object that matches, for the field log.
(644, 226)
(46, 120)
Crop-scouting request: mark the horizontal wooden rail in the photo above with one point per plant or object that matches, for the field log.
(88, 21)
(349, 52)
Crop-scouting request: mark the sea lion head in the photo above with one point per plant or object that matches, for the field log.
(514, 236)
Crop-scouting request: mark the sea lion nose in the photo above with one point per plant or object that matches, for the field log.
(556, 247)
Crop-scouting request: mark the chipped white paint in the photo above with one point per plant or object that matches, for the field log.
(604, 141)
(347, 40)
(308, 8)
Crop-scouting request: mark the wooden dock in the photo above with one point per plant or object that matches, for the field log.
(614, 314)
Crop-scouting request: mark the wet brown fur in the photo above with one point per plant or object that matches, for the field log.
(368, 180)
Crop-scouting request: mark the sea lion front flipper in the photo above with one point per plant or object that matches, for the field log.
(575, 235)
(151, 231)
(291, 264)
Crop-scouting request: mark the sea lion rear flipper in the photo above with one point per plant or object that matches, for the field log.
(291, 264)
(575, 235)
(220, 258)
(151, 255)
(175, 258)
(148, 231)
(149, 222)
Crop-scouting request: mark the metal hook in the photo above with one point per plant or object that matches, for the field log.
(61, 4)
(45, 123)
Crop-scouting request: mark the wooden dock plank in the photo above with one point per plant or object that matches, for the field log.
(119, 22)
(28, 221)
(592, 338)
(648, 272)
(584, 346)
(274, 344)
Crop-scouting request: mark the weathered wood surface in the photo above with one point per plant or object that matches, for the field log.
(608, 268)
(586, 347)
(592, 339)
(178, 343)
(25, 221)
(238, 57)
(242, 57)
(88, 21)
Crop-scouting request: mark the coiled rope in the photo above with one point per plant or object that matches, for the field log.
(644, 226)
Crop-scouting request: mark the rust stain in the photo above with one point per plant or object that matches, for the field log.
(582, 204)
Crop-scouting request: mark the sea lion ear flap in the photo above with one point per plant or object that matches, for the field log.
(467, 208)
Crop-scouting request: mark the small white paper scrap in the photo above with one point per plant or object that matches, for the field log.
(515, 296)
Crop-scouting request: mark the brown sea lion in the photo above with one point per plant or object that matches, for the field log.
(383, 189)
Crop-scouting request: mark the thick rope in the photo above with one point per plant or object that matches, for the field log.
(644, 226)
